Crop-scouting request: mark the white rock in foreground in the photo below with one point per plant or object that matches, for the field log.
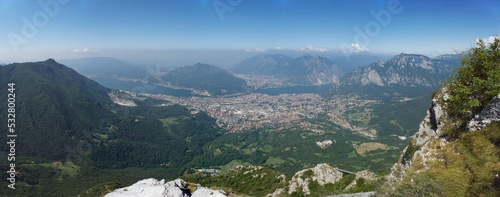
(154, 188)
(146, 187)
(203, 192)
(322, 174)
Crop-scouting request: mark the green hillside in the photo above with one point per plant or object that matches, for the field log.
(54, 106)
(206, 77)
(72, 137)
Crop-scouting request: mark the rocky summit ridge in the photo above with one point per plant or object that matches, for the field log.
(405, 70)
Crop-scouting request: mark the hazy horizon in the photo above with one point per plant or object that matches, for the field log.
(224, 32)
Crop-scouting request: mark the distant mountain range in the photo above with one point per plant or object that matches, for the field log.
(206, 77)
(404, 70)
(304, 70)
(267, 64)
(349, 62)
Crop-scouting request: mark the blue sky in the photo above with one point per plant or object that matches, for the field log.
(137, 29)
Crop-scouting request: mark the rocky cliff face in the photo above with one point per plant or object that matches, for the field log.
(320, 70)
(429, 147)
(429, 130)
(155, 188)
(406, 70)
(121, 98)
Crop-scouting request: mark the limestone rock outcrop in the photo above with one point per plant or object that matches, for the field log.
(158, 188)
(322, 174)
(488, 114)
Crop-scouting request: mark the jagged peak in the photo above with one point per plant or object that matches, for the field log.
(412, 60)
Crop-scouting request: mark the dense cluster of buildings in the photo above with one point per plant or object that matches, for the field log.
(253, 111)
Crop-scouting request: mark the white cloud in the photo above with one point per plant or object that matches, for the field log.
(278, 48)
(359, 49)
(84, 50)
(315, 49)
(260, 50)
(488, 40)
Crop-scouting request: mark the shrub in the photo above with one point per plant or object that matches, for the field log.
(410, 151)
(475, 83)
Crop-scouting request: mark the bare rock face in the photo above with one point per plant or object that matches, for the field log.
(154, 188)
(175, 188)
(488, 114)
(320, 70)
(431, 126)
(372, 78)
(322, 174)
(122, 98)
(429, 130)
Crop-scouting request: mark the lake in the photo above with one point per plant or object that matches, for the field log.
(155, 89)
(142, 87)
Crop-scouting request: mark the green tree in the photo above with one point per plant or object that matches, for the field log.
(477, 82)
